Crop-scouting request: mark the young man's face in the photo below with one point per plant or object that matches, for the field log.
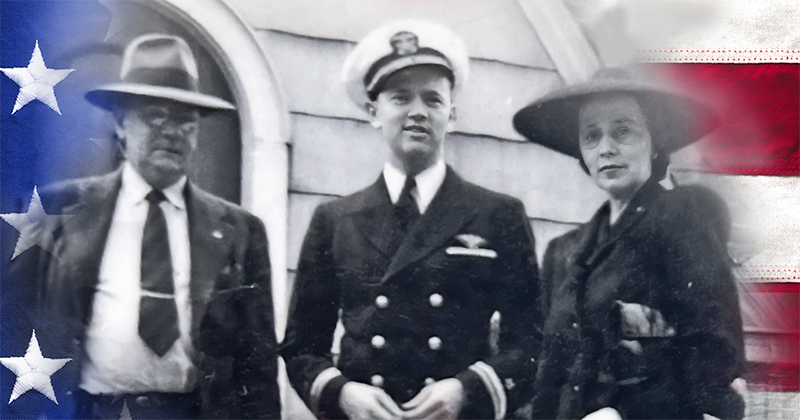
(414, 113)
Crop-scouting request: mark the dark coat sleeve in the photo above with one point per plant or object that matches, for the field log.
(239, 326)
(704, 306)
(516, 297)
(552, 372)
(258, 362)
(313, 315)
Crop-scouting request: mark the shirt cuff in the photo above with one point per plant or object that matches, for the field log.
(319, 384)
(494, 386)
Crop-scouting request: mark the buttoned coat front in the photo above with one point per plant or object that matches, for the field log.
(231, 304)
(424, 312)
(666, 252)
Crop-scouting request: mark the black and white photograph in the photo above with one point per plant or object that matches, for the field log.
(399, 209)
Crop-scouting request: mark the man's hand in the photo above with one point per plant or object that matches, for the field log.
(361, 401)
(439, 400)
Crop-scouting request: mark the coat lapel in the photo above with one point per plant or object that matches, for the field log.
(83, 241)
(447, 213)
(208, 236)
(636, 209)
(374, 219)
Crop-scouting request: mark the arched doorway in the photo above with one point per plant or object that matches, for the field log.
(242, 157)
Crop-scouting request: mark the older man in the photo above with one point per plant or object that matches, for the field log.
(417, 263)
(161, 289)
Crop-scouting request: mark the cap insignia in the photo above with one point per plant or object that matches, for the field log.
(404, 43)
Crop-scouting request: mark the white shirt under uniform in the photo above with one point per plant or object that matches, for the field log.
(428, 183)
(118, 360)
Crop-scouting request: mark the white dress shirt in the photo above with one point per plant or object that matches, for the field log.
(118, 360)
(428, 183)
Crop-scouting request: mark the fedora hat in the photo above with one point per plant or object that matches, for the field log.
(157, 66)
(674, 120)
(398, 45)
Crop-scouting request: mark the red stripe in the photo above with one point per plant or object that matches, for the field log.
(760, 110)
(790, 288)
(771, 315)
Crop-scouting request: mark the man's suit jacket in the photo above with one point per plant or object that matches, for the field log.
(345, 265)
(232, 318)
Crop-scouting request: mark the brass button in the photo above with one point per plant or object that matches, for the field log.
(142, 401)
(574, 325)
(435, 343)
(436, 300)
(429, 381)
(378, 342)
(376, 380)
(382, 301)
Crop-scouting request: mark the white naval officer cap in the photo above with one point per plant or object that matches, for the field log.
(398, 45)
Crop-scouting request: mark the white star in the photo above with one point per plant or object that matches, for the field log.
(33, 371)
(117, 24)
(36, 81)
(125, 414)
(35, 227)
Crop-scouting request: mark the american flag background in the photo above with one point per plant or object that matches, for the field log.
(742, 57)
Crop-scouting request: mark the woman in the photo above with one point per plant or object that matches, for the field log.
(642, 311)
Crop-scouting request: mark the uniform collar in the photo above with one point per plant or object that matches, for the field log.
(428, 183)
(137, 188)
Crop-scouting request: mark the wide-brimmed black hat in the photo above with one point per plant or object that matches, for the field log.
(674, 120)
(157, 66)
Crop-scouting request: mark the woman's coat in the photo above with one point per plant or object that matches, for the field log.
(666, 252)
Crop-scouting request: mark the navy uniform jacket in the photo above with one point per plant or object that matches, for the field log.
(666, 251)
(424, 312)
(232, 319)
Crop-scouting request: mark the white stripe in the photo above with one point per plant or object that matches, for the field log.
(766, 224)
(494, 386)
(319, 385)
(157, 295)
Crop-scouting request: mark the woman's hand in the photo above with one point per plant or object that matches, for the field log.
(640, 321)
(606, 413)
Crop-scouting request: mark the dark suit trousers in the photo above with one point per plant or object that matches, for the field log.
(149, 405)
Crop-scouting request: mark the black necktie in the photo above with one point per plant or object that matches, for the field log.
(158, 313)
(406, 213)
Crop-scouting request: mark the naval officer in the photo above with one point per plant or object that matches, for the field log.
(416, 264)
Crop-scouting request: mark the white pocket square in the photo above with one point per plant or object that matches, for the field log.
(473, 252)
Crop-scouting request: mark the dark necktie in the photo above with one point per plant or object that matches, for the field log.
(406, 213)
(158, 313)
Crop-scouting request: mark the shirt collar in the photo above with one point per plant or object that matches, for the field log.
(137, 188)
(428, 183)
